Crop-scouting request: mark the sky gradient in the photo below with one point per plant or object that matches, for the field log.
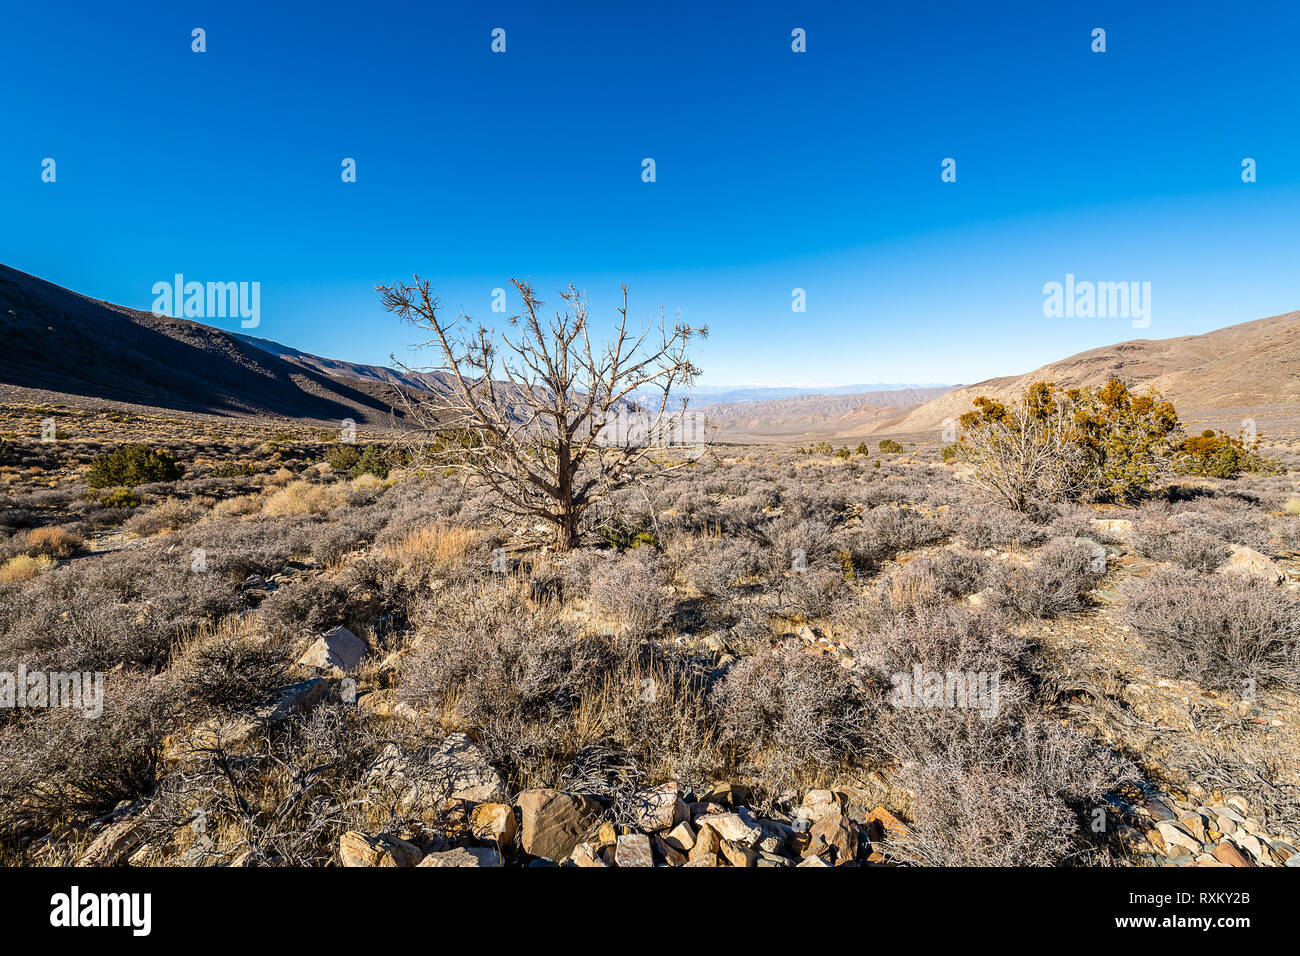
(775, 170)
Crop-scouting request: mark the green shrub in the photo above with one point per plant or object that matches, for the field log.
(1212, 455)
(862, 449)
(343, 458)
(133, 465)
(120, 498)
(232, 470)
(890, 447)
(843, 452)
(949, 452)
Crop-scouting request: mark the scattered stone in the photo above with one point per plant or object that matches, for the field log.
(882, 824)
(834, 832)
(1250, 563)
(1228, 854)
(493, 822)
(298, 697)
(681, 837)
(553, 822)
(633, 849)
(485, 856)
(114, 843)
(426, 779)
(1175, 835)
(738, 827)
(357, 849)
(738, 854)
(338, 652)
(586, 855)
(659, 808)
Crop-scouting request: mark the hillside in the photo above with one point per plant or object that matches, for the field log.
(1246, 370)
(62, 346)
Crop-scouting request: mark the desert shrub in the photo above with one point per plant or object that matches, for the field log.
(514, 679)
(231, 668)
(133, 465)
(59, 768)
(169, 515)
(1057, 582)
(943, 577)
(303, 498)
(24, 567)
(994, 527)
(949, 452)
(1187, 547)
(1220, 631)
(232, 469)
(628, 590)
(789, 715)
(862, 449)
(1219, 455)
(305, 605)
(52, 542)
(120, 498)
(715, 566)
(1085, 444)
(890, 447)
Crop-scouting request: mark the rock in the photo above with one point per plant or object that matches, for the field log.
(1282, 851)
(681, 837)
(771, 859)
(813, 860)
(1250, 563)
(737, 854)
(707, 843)
(674, 856)
(1118, 528)
(357, 849)
(834, 832)
(426, 779)
(586, 854)
(704, 859)
(464, 856)
(1195, 826)
(658, 808)
(494, 822)
(737, 827)
(553, 822)
(295, 698)
(338, 652)
(729, 795)
(1175, 835)
(1252, 846)
(1225, 852)
(113, 844)
(881, 824)
(817, 803)
(633, 849)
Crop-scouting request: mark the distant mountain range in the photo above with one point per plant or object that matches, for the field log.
(62, 346)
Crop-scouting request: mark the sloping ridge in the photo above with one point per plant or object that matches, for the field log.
(60, 342)
(1253, 365)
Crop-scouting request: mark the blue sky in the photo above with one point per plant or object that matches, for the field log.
(775, 170)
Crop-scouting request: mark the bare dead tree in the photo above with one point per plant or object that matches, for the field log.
(548, 420)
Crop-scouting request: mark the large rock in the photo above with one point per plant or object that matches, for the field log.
(357, 849)
(1250, 563)
(425, 780)
(338, 652)
(834, 831)
(738, 827)
(464, 856)
(633, 849)
(296, 698)
(493, 822)
(552, 822)
(658, 808)
(113, 844)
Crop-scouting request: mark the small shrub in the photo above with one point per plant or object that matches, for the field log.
(52, 542)
(24, 567)
(890, 447)
(133, 465)
(949, 452)
(1219, 455)
(120, 498)
(1220, 631)
(1056, 583)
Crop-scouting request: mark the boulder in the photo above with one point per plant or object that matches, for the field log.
(836, 832)
(633, 849)
(552, 822)
(738, 827)
(426, 779)
(296, 698)
(114, 843)
(707, 843)
(357, 849)
(493, 822)
(587, 855)
(737, 854)
(681, 837)
(658, 808)
(1250, 563)
(464, 856)
(338, 652)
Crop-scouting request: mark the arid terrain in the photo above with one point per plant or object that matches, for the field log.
(840, 649)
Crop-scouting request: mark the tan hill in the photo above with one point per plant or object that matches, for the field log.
(813, 416)
(1247, 370)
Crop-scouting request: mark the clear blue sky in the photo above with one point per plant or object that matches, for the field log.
(775, 170)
